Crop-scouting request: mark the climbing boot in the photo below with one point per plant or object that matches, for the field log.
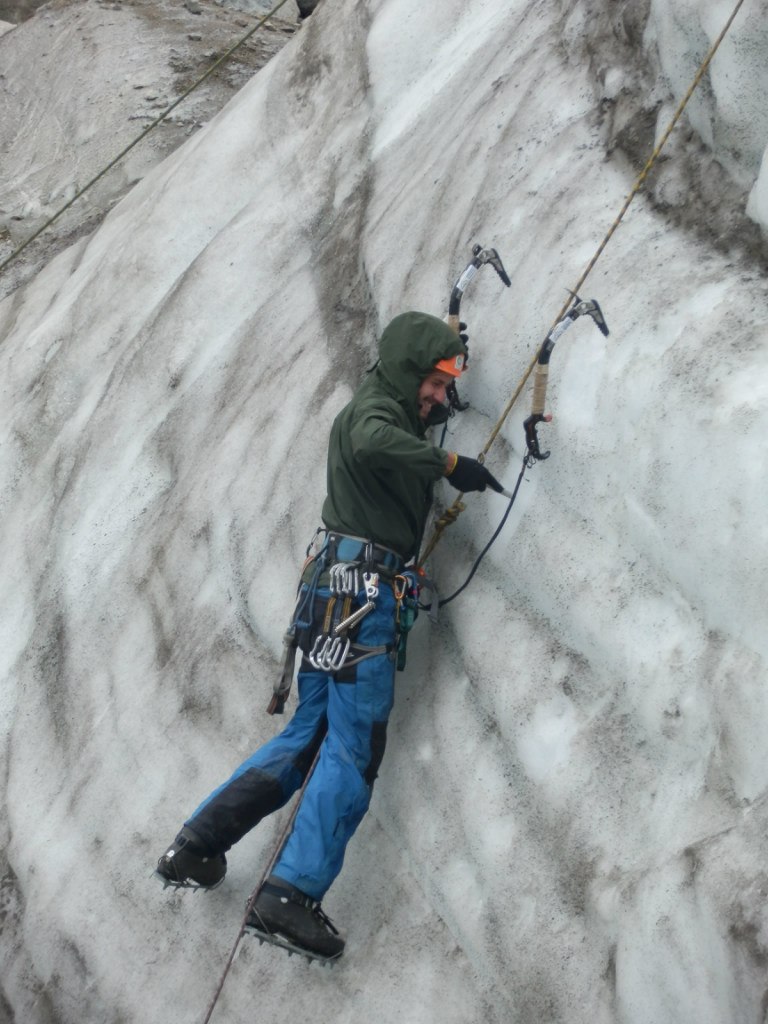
(282, 910)
(187, 865)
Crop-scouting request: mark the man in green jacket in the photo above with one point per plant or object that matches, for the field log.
(382, 469)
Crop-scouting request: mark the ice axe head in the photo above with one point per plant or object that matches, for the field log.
(492, 257)
(480, 257)
(589, 307)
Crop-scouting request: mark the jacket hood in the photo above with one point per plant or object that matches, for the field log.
(409, 348)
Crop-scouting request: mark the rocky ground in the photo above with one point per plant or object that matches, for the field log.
(15, 11)
(62, 132)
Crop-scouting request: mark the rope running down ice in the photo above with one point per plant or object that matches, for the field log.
(282, 839)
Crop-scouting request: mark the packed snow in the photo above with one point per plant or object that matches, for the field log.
(570, 821)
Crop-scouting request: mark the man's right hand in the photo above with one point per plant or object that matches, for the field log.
(470, 475)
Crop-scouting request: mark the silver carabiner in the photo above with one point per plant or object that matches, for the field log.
(336, 654)
(328, 653)
(314, 655)
(343, 578)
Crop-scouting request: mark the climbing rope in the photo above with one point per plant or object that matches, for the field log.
(451, 514)
(158, 120)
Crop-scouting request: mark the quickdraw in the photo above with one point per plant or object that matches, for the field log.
(407, 587)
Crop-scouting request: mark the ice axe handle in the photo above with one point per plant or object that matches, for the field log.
(540, 381)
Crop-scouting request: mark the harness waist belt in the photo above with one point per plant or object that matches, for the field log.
(340, 547)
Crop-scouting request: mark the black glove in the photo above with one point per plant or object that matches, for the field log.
(471, 475)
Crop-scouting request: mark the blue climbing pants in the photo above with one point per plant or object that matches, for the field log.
(344, 714)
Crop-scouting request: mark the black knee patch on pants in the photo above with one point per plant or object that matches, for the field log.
(242, 804)
(237, 809)
(378, 745)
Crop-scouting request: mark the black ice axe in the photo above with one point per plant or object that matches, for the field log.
(480, 257)
(589, 307)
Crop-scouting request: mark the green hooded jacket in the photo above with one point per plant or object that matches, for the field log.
(381, 468)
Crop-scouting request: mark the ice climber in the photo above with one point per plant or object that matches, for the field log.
(381, 472)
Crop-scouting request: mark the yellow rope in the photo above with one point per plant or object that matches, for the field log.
(161, 117)
(452, 513)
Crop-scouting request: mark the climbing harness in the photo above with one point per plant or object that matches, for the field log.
(284, 681)
(323, 626)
